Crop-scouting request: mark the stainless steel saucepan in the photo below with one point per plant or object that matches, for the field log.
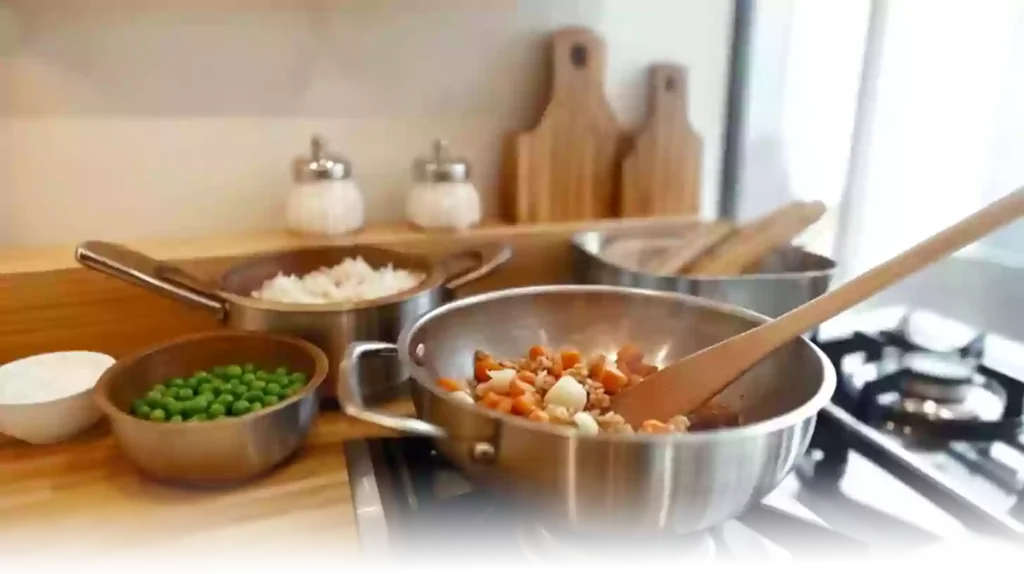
(785, 279)
(680, 482)
(332, 327)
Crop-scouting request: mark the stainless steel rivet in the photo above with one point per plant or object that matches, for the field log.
(483, 452)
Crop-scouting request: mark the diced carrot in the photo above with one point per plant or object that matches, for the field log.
(537, 352)
(570, 358)
(519, 388)
(631, 356)
(481, 367)
(505, 406)
(596, 366)
(612, 380)
(556, 369)
(449, 384)
(480, 356)
(525, 404)
(527, 377)
(539, 416)
(655, 427)
(492, 400)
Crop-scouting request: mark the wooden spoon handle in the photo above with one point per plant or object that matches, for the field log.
(757, 343)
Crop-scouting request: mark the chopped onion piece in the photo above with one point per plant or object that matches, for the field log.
(501, 380)
(567, 393)
(585, 424)
(461, 397)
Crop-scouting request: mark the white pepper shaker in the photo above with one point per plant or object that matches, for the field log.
(442, 196)
(324, 199)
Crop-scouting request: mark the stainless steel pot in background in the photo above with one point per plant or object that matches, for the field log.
(331, 327)
(786, 279)
(609, 483)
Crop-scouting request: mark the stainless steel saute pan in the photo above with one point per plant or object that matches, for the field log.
(679, 482)
(331, 327)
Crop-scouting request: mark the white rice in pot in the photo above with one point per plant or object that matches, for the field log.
(351, 281)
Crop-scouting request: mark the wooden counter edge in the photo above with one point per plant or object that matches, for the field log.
(54, 258)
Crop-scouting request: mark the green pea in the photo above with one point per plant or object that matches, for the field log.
(258, 386)
(255, 406)
(173, 408)
(176, 382)
(217, 410)
(248, 379)
(287, 393)
(281, 371)
(262, 375)
(200, 374)
(177, 419)
(205, 388)
(219, 371)
(158, 416)
(270, 400)
(199, 417)
(273, 389)
(233, 371)
(154, 399)
(138, 404)
(208, 397)
(186, 394)
(249, 368)
(253, 397)
(240, 408)
(238, 388)
(299, 378)
(226, 399)
(196, 406)
(159, 388)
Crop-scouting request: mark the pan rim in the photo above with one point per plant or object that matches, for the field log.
(808, 409)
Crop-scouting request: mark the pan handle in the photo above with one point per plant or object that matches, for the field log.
(144, 271)
(350, 393)
(467, 265)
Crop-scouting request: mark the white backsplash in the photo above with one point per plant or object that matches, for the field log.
(126, 119)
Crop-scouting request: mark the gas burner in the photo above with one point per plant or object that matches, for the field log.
(933, 333)
(544, 544)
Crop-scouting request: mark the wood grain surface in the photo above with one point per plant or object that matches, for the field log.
(566, 168)
(662, 174)
(83, 497)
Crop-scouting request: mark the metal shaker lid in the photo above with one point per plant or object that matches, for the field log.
(440, 166)
(320, 165)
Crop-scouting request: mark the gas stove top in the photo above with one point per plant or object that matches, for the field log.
(937, 403)
(417, 514)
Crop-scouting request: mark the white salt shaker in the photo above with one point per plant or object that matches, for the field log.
(324, 200)
(442, 196)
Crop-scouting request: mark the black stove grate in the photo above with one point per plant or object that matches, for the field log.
(476, 532)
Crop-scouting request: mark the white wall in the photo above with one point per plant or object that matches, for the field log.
(141, 118)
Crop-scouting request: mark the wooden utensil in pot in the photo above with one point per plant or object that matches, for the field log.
(692, 247)
(661, 176)
(686, 385)
(755, 240)
(566, 168)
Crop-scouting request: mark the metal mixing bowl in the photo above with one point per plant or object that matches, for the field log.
(223, 451)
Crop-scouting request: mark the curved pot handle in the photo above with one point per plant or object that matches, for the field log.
(350, 394)
(468, 265)
(144, 271)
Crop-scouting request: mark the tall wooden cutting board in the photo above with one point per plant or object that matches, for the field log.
(567, 168)
(662, 174)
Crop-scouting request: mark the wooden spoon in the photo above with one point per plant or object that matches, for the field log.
(686, 385)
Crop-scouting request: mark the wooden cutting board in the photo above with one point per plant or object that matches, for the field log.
(567, 168)
(662, 173)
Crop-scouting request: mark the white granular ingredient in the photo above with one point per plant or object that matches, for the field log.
(51, 376)
(350, 281)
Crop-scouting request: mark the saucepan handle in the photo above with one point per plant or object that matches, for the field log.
(468, 265)
(350, 393)
(144, 271)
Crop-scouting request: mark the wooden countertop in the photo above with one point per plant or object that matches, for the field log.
(85, 498)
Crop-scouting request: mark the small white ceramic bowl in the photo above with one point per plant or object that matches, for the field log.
(46, 399)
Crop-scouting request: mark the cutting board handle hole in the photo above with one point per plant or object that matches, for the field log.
(578, 55)
(670, 85)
